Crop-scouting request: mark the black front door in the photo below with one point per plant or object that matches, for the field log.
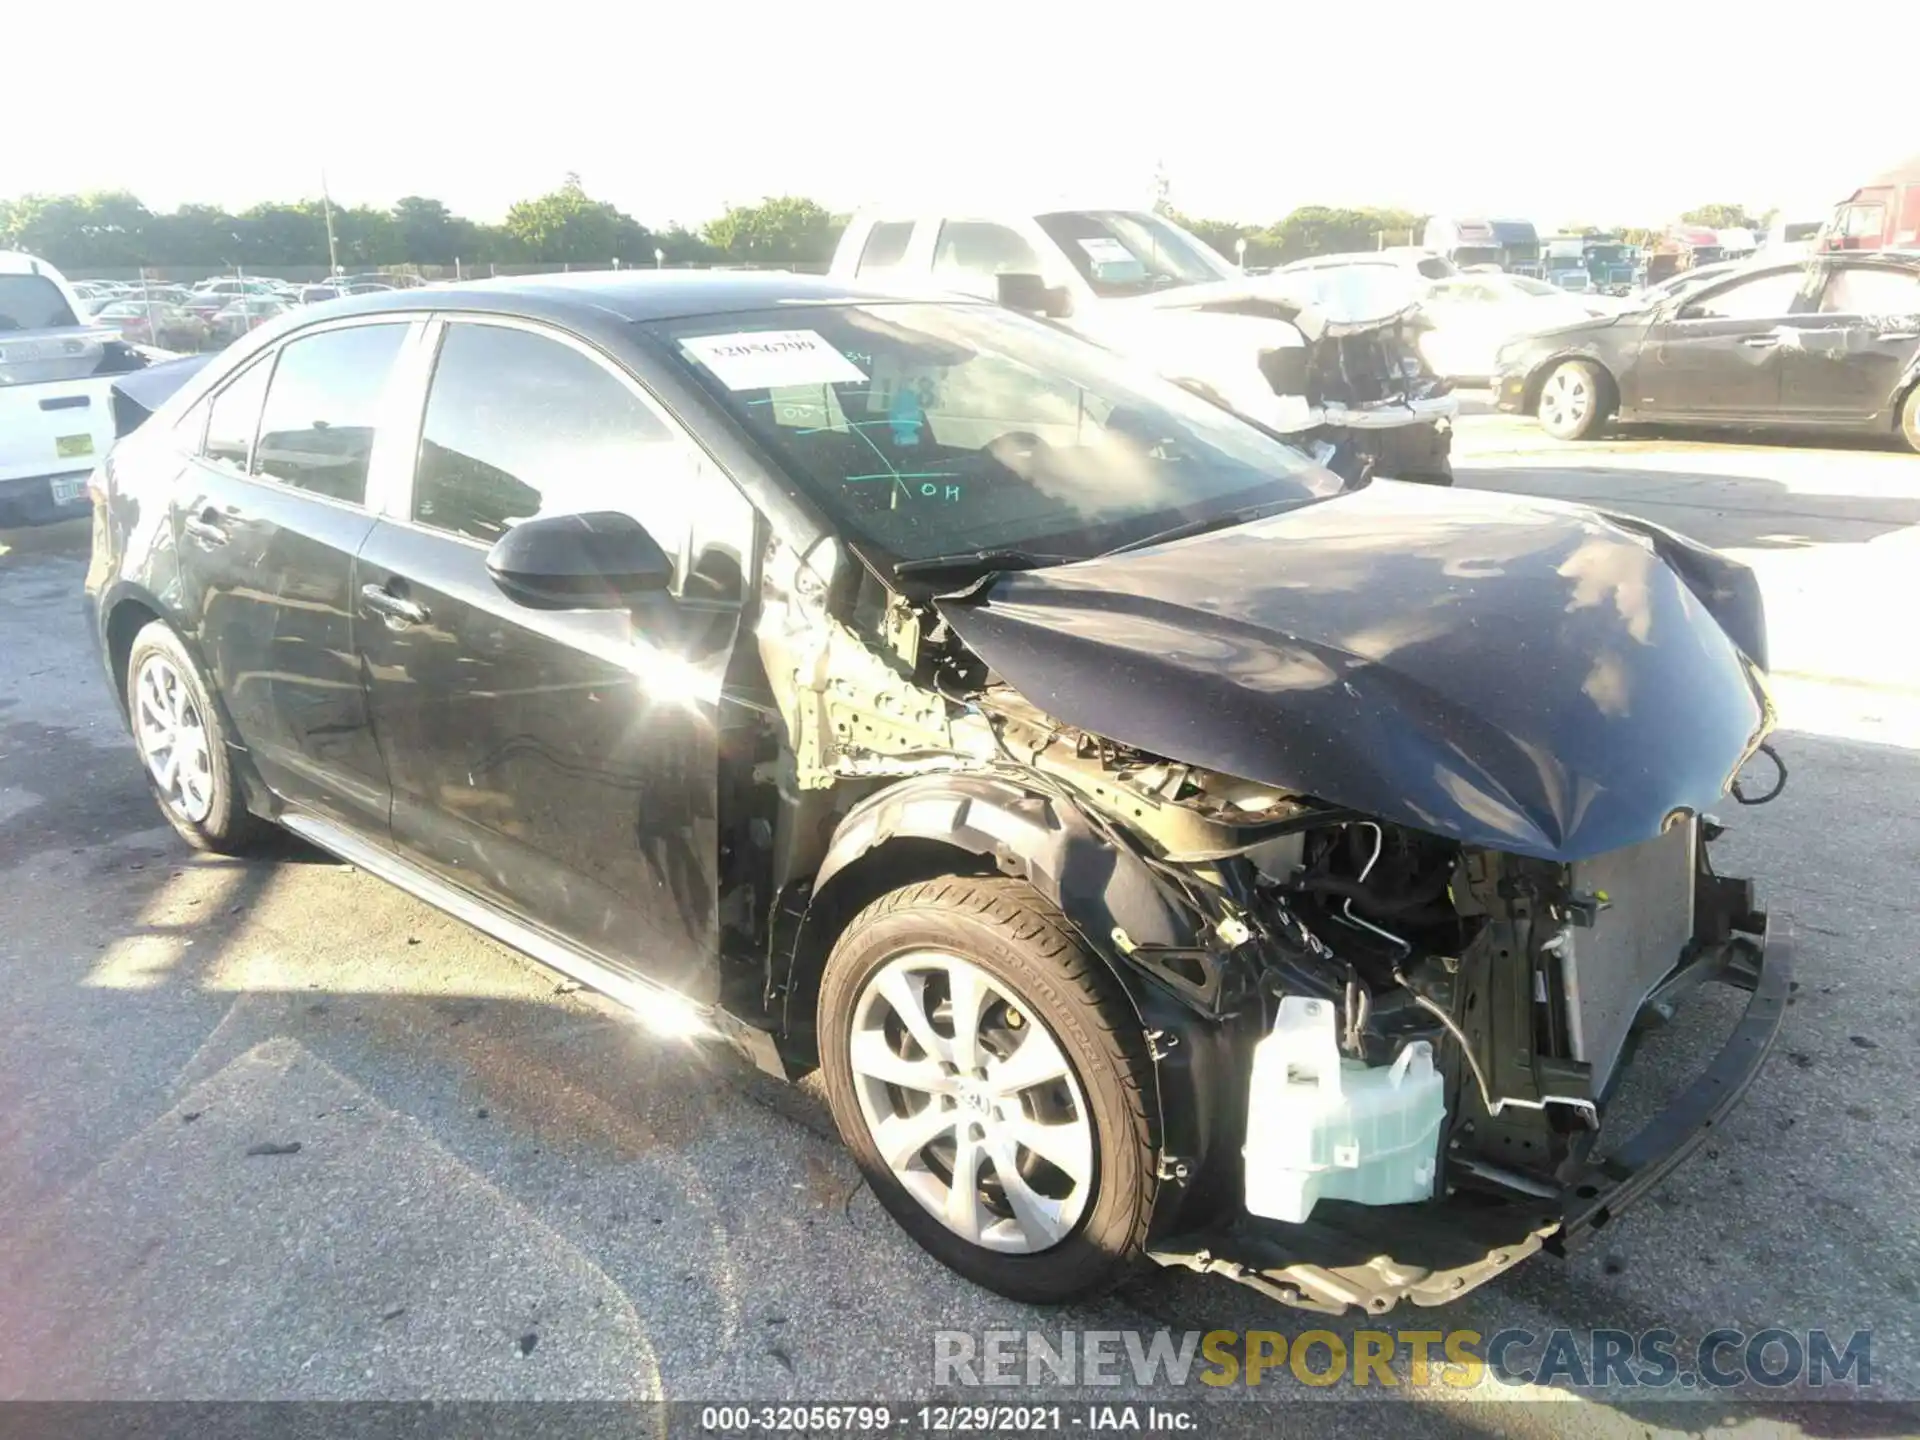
(269, 516)
(562, 765)
(1718, 356)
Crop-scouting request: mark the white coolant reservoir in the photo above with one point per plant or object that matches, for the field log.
(1319, 1125)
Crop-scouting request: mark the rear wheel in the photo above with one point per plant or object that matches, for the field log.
(183, 745)
(993, 1084)
(1910, 419)
(1573, 400)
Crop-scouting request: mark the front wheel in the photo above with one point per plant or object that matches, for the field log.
(1910, 419)
(993, 1084)
(1573, 400)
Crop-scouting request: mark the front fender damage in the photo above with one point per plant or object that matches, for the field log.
(1526, 944)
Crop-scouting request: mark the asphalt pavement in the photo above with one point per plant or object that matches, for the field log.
(272, 1130)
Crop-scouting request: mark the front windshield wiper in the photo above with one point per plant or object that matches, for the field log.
(1200, 527)
(996, 558)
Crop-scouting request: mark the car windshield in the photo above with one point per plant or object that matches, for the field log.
(929, 430)
(33, 302)
(1124, 252)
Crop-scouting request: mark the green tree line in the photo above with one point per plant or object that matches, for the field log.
(115, 230)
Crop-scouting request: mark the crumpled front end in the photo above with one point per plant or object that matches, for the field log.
(1431, 778)
(1531, 987)
(1349, 388)
(1383, 410)
(1451, 1023)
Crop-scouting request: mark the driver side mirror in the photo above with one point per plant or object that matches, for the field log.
(599, 561)
(1032, 296)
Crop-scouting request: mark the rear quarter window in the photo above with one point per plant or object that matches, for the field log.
(32, 302)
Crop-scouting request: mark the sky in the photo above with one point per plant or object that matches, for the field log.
(1608, 114)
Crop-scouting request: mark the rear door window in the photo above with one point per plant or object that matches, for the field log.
(886, 247)
(970, 253)
(32, 302)
(316, 432)
(1862, 291)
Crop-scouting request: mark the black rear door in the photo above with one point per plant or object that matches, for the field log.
(562, 765)
(1846, 361)
(268, 518)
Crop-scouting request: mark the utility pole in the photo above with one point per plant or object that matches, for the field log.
(326, 204)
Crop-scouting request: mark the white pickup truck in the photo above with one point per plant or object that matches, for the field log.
(56, 378)
(1347, 386)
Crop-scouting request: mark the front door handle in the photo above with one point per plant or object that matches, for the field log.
(207, 527)
(1899, 335)
(1760, 342)
(383, 601)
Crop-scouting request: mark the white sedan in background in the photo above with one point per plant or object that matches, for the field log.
(1473, 315)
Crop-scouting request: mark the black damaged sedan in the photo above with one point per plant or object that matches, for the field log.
(1831, 343)
(1165, 851)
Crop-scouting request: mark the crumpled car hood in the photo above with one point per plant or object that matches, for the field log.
(1520, 674)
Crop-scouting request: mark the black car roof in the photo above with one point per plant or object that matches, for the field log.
(625, 294)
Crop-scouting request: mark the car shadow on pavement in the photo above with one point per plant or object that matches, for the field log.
(1771, 438)
(1728, 512)
(672, 1172)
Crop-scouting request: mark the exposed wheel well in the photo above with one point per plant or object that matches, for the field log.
(126, 620)
(904, 861)
(1609, 387)
(1906, 393)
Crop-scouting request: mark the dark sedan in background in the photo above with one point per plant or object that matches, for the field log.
(1823, 344)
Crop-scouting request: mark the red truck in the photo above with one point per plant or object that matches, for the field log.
(1883, 214)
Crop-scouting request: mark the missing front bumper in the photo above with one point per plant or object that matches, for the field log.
(1339, 1259)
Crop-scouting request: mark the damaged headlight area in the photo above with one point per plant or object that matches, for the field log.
(1441, 1026)
(1401, 1048)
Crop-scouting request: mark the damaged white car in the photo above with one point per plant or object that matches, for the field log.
(1344, 382)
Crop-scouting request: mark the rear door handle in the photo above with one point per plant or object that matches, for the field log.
(1899, 335)
(206, 527)
(383, 601)
(1760, 342)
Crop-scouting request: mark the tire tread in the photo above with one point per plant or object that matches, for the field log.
(1027, 920)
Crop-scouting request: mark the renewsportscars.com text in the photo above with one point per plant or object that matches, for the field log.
(1659, 1359)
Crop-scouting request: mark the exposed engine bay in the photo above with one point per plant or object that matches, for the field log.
(1524, 979)
(1378, 408)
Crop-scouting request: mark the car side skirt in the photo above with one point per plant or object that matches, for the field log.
(635, 993)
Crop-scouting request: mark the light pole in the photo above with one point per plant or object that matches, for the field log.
(326, 204)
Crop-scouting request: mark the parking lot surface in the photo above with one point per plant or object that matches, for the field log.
(504, 1189)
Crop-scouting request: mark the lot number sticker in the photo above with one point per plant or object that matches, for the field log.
(763, 359)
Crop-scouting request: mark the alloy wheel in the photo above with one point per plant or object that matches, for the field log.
(972, 1103)
(173, 739)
